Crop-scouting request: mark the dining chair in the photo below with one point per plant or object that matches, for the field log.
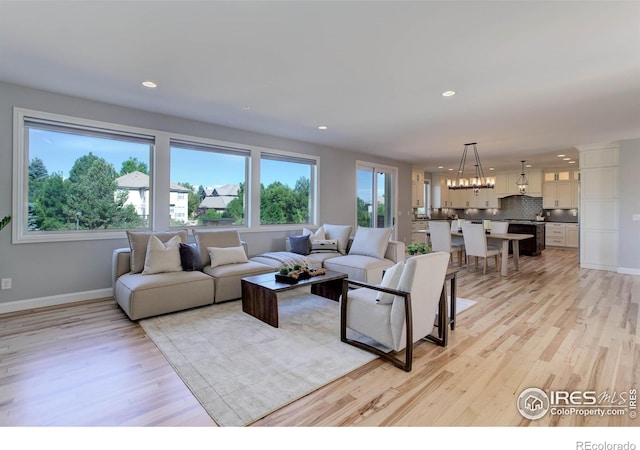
(475, 244)
(395, 317)
(441, 240)
(457, 240)
(497, 227)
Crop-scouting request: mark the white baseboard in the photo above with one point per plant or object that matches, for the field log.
(54, 300)
(628, 271)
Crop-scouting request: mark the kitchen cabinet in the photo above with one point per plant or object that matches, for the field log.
(486, 198)
(506, 183)
(571, 235)
(560, 189)
(555, 233)
(445, 194)
(417, 190)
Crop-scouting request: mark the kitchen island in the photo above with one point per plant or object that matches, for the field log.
(534, 245)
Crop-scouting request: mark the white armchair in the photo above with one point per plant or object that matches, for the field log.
(406, 315)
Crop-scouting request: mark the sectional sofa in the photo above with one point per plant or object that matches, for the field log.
(161, 272)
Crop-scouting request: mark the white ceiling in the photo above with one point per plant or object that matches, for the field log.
(533, 79)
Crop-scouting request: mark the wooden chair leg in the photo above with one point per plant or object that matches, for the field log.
(484, 267)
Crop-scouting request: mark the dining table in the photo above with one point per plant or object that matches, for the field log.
(505, 239)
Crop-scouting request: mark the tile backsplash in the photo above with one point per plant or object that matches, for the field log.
(520, 207)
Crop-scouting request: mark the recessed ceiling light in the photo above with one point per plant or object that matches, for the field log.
(566, 159)
(440, 167)
(572, 162)
(149, 84)
(448, 93)
(527, 165)
(322, 127)
(492, 168)
(561, 156)
(246, 108)
(450, 170)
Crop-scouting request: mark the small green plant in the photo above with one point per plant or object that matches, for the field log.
(285, 271)
(5, 221)
(418, 249)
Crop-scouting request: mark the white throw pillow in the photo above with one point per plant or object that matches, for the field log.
(317, 236)
(324, 246)
(221, 256)
(390, 280)
(341, 233)
(162, 256)
(371, 242)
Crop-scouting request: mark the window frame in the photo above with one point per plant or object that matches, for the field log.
(20, 198)
(393, 172)
(159, 167)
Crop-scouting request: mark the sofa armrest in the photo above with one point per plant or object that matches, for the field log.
(120, 263)
(245, 246)
(395, 251)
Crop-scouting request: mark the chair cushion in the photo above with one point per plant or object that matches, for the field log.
(391, 280)
(370, 242)
(359, 267)
(215, 238)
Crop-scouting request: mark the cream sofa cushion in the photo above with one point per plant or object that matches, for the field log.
(370, 242)
(139, 240)
(162, 256)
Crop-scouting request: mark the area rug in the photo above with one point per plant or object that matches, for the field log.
(241, 369)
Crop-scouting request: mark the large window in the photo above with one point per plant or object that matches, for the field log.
(208, 184)
(375, 197)
(80, 178)
(287, 192)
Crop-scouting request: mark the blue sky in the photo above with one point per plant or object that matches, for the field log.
(59, 151)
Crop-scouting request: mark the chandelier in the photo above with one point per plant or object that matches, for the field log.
(522, 181)
(478, 180)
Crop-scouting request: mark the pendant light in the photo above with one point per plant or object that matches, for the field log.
(522, 182)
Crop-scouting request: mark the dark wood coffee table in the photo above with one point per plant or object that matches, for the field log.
(260, 293)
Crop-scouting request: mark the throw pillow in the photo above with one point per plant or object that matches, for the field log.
(324, 246)
(190, 258)
(370, 242)
(318, 235)
(221, 256)
(340, 233)
(138, 241)
(391, 280)
(162, 256)
(300, 244)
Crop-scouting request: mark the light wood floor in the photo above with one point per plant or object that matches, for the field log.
(551, 325)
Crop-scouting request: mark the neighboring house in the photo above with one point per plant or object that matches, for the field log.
(137, 186)
(218, 198)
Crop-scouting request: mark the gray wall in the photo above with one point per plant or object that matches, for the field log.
(51, 269)
(629, 204)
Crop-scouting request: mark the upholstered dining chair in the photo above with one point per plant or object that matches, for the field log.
(395, 317)
(475, 244)
(440, 234)
(497, 227)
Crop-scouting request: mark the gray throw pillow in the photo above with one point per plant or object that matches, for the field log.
(190, 258)
(300, 244)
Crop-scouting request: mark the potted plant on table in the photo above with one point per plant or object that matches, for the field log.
(418, 249)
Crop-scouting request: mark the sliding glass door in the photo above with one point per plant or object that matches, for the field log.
(376, 195)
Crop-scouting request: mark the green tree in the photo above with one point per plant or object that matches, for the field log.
(235, 208)
(364, 216)
(49, 205)
(37, 175)
(92, 201)
(133, 165)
